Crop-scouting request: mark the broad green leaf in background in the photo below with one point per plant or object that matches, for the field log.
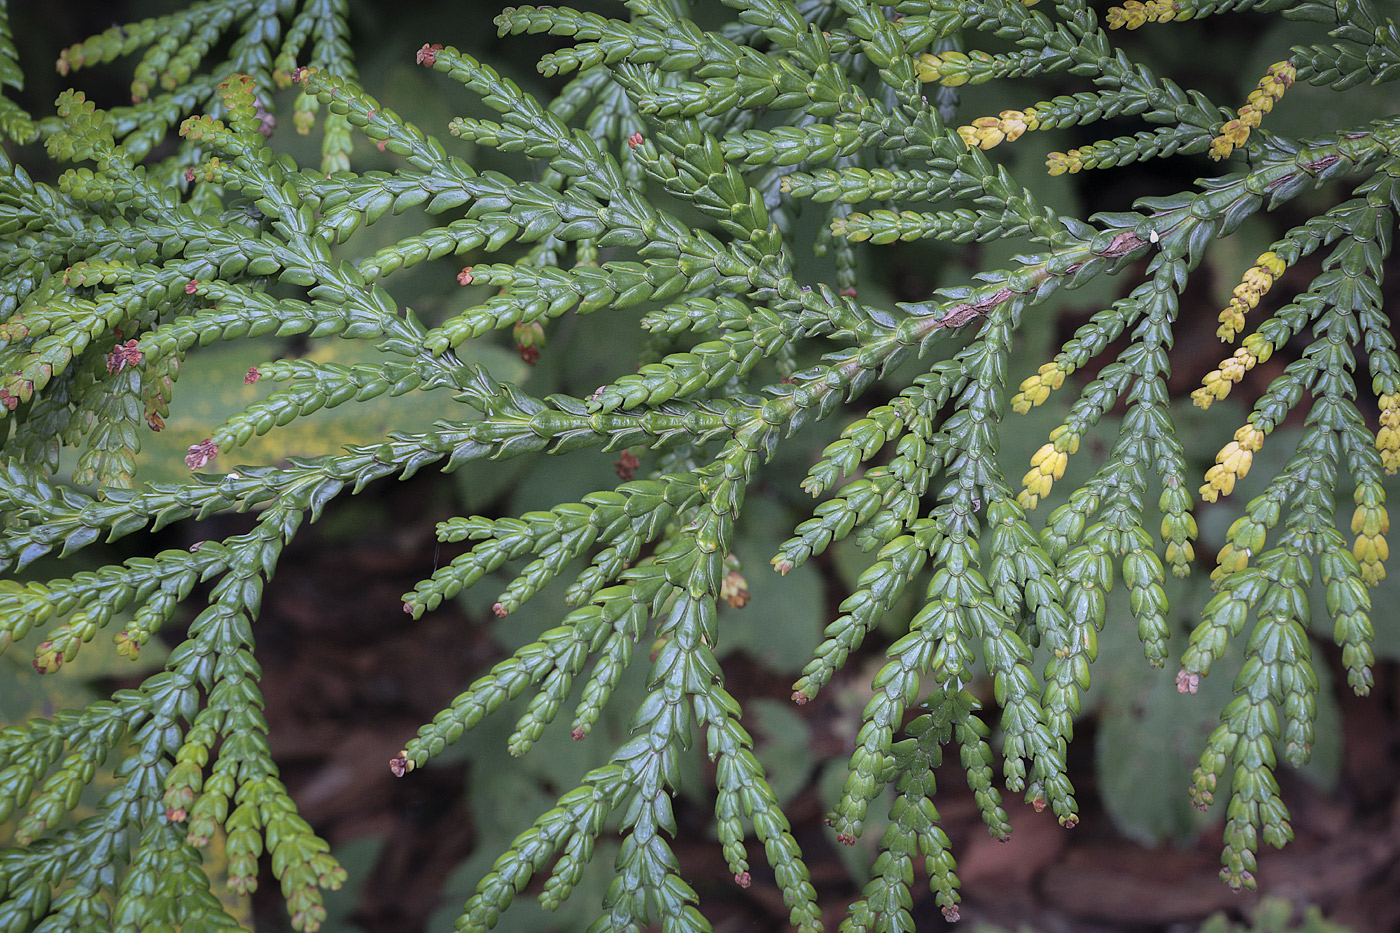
(25, 693)
(506, 794)
(784, 746)
(212, 388)
(358, 856)
(1150, 736)
(782, 624)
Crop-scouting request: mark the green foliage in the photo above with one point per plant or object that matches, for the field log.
(670, 182)
(1275, 915)
(1272, 915)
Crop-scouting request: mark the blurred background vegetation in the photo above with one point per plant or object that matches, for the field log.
(348, 678)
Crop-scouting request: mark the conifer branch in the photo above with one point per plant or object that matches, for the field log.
(663, 186)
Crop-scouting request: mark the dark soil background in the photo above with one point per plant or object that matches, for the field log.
(348, 679)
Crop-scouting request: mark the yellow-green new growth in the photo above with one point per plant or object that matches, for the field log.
(1217, 383)
(987, 132)
(1370, 523)
(1388, 436)
(657, 195)
(1134, 13)
(1047, 465)
(1269, 91)
(1232, 463)
(1034, 390)
(1257, 281)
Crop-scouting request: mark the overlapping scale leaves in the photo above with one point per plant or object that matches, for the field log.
(668, 177)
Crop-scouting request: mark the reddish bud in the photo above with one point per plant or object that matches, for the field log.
(578, 734)
(529, 340)
(200, 454)
(735, 590)
(47, 658)
(9, 401)
(626, 466)
(123, 354)
(848, 292)
(951, 914)
(267, 122)
(1039, 804)
(127, 647)
(465, 276)
(191, 285)
(846, 839)
(800, 698)
(400, 765)
(1187, 682)
(408, 608)
(189, 174)
(176, 815)
(427, 55)
(743, 879)
(634, 140)
(252, 376)
(499, 610)
(381, 145)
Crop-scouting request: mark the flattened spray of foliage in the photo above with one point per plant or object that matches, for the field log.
(666, 177)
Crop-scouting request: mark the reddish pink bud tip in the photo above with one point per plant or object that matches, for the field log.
(743, 879)
(578, 734)
(252, 376)
(499, 610)
(122, 355)
(634, 140)
(800, 698)
(465, 276)
(189, 174)
(951, 914)
(191, 285)
(846, 839)
(427, 55)
(200, 454)
(626, 466)
(408, 609)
